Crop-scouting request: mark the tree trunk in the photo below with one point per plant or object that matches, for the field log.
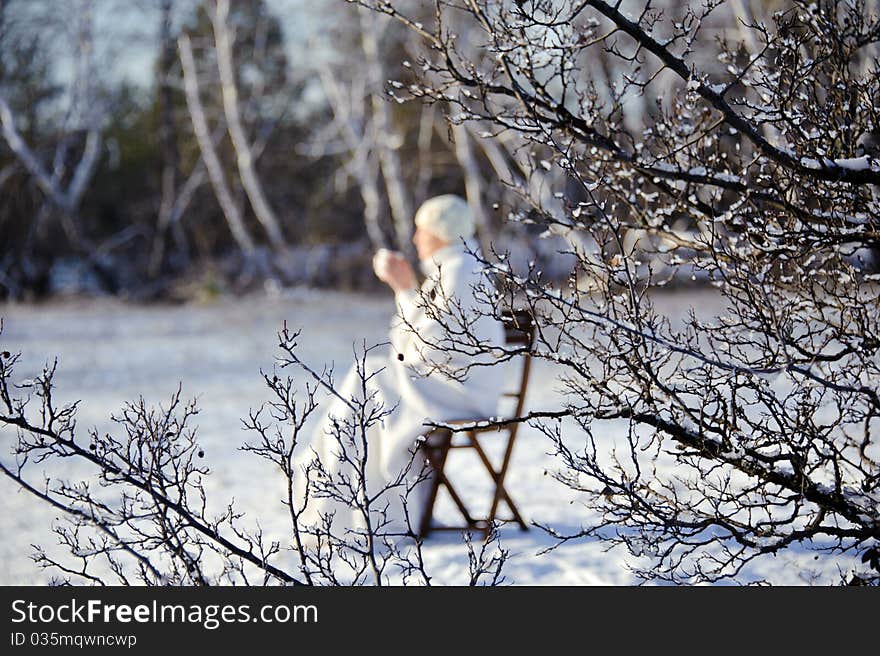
(244, 156)
(473, 184)
(209, 153)
(385, 140)
(66, 200)
(426, 137)
(168, 142)
(363, 164)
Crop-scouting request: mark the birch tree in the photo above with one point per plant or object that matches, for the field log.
(223, 39)
(85, 114)
(352, 123)
(473, 183)
(386, 138)
(167, 136)
(230, 208)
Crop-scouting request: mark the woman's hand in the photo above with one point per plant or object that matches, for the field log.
(395, 270)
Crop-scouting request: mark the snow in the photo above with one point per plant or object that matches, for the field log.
(865, 163)
(699, 171)
(855, 163)
(110, 352)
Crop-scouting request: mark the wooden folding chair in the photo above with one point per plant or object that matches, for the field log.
(519, 330)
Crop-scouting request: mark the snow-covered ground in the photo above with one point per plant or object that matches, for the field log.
(110, 352)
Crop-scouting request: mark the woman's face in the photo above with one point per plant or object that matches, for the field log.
(427, 243)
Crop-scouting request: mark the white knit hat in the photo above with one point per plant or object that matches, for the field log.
(448, 216)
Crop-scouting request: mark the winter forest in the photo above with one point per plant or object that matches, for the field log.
(676, 213)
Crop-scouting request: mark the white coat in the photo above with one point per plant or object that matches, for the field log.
(411, 378)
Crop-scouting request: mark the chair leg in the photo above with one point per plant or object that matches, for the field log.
(458, 502)
(498, 479)
(502, 474)
(437, 457)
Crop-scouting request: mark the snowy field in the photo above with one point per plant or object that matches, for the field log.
(110, 352)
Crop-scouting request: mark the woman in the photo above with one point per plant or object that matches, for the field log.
(425, 376)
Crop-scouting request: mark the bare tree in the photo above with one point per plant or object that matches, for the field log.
(749, 430)
(230, 208)
(223, 38)
(144, 514)
(352, 124)
(84, 115)
(365, 131)
(386, 139)
(473, 182)
(167, 137)
(427, 126)
(66, 198)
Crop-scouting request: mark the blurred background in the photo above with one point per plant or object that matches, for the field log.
(158, 149)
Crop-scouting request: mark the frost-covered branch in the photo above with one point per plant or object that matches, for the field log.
(747, 429)
(143, 513)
